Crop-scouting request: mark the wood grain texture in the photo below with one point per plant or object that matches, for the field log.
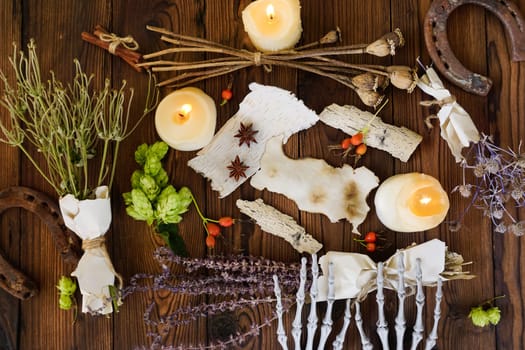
(478, 41)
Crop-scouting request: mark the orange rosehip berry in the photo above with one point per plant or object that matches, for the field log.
(213, 229)
(345, 144)
(226, 221)
(357, 139)
(361, 149)
(210, 241)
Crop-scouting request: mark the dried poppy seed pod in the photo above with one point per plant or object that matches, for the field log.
(387, 44)
(370, 81)
(402, 77)
(331, 37)
(369, 97)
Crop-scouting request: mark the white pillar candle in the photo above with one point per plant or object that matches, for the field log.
(273, 25)
(186, 118)
(411, 202)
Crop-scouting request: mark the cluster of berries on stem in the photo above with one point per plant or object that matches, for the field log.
(372, 242)
(212, 226)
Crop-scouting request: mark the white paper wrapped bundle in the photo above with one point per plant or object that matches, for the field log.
(90, 220)
(457, 128)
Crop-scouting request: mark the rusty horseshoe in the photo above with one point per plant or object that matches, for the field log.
(435, 29)
(46, 209)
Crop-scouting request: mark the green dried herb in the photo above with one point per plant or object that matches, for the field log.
(66, 123)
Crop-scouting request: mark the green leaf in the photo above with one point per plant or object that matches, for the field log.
(170, 234)
(158, 150)
(141, 154)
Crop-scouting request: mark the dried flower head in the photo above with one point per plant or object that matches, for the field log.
(387, 44)
(370, 81)
(369, 97)
(331, 37)
(403, 77)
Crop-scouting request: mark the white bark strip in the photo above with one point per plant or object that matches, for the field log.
(271, 111)
(400, 142)
(279, 224)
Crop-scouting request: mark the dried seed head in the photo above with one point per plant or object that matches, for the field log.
(369, 97)
(464, 190)
(501, 228)
(403, 77)
(517, 229)
(492, 166)
(497, 214)
(387, 44)
(479, 170)
(331, 37)
(517, 194)
(370, 81)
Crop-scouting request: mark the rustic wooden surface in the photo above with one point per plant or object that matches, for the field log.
(477, 39)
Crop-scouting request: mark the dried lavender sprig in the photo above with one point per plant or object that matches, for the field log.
(232, 263)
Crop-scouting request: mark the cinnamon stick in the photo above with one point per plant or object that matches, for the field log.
(129, 56)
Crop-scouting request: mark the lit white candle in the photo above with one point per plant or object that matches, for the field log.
(186, 118)
(273, 25)
(411, 202)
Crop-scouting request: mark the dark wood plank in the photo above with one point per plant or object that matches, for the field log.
(506, 116)
(11, 26)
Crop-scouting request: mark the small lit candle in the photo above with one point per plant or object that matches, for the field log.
(186, 118)
(411, 202)
(273, 25)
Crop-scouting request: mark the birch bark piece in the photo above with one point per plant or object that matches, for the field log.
(400, 142)
(315, 186)
(279, 224)
(271, 111)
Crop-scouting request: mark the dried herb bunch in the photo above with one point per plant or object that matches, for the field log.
(500, 184)
(236, 282)
(66, 123)
(366, 80)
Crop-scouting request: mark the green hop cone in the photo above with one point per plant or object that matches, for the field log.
(479, 316)
(65, 302)
(494, 315)
(66, 286)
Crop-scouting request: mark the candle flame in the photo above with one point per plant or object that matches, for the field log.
(270, 12)
(425, 200)
(185, 110)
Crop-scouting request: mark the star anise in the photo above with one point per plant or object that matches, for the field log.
(246, 134)
(237, 169)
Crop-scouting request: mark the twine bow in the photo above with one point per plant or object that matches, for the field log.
(115, 41)
(100, 244)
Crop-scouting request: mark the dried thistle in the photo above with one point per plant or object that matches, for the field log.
(500, 184)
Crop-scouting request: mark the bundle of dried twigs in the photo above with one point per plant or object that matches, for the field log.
(365, 80)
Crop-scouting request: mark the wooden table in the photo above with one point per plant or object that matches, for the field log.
(478, 41)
